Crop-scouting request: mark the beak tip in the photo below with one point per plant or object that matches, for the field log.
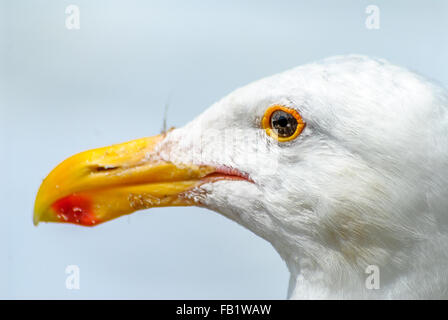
(36, 220)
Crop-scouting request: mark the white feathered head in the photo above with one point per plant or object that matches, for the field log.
(339, 164)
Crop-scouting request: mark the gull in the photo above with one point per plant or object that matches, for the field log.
(341, 164)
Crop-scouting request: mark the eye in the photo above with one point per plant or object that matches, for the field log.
(282, 123)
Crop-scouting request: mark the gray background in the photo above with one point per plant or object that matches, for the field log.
(64, 91)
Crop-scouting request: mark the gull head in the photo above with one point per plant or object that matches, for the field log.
(340, 164)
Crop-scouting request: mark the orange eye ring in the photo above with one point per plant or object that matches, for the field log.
(266, 123)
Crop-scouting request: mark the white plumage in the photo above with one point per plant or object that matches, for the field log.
(363, 187)
(364, 184)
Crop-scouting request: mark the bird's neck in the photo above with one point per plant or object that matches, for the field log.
(419, 272)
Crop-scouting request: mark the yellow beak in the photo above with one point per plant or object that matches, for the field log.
(102, 184)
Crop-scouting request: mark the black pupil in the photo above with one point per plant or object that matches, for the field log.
(283, 123)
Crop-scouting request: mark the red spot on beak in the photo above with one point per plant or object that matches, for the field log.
(75, 209)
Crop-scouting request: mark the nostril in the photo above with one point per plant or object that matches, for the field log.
(104, 168)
